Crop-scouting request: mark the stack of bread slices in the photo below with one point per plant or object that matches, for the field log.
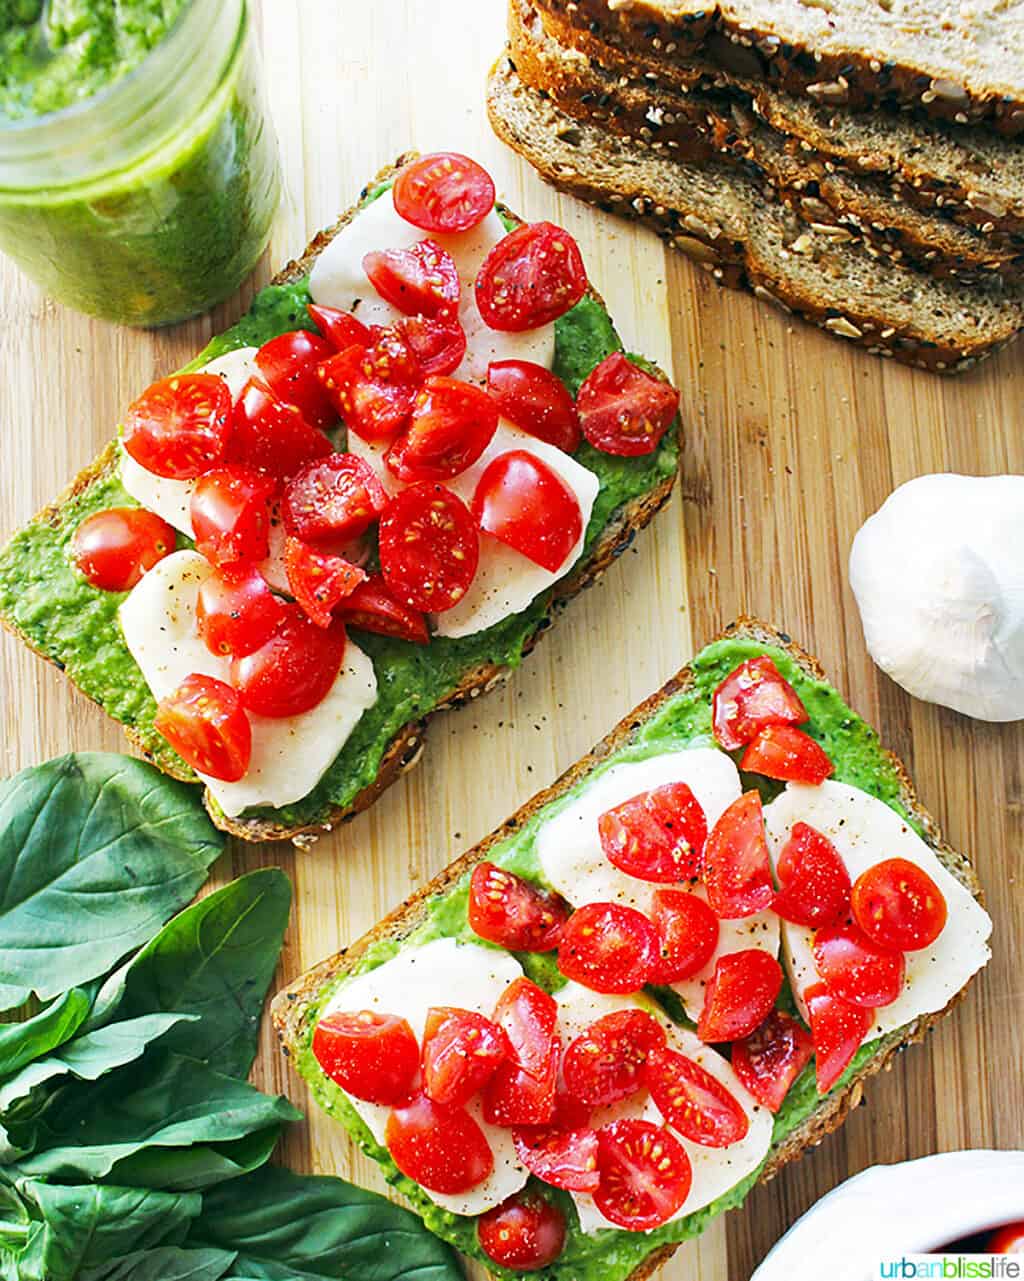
(859, 163)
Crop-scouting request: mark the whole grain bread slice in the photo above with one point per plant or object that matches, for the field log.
(406, 747)
(725, 222)
(293, 1006)
(959, 60)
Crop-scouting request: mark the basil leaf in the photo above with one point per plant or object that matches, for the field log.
(214, 960)
(167, 1263)
(97, 851)
(201, 1165)
(20, 1043)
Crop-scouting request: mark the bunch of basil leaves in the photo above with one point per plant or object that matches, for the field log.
(132, 1148)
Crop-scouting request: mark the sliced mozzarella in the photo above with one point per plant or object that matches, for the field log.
(442, 972)
(338, 280)
(866, 831)
(289, 754)
(715, 1170)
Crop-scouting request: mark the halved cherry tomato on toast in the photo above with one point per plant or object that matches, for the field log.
(737, 867)
(645, 1174)
(114, 548)
(522, 1090)
(373, 1056)
(687, 935)
(319, 581)
(441, 1148)
(461, 1052)
(815, 883)
(288, 364)
(203, 720)
(420, 281)
(838, 1030)
(524, 1233)
(898, 905)
(236, 611)
(437, 342)
(373, 388)
(857, 969)
(694, 1102)
(1008, 1239)
(657, 836)
(294, 670)
(608, 947)
(429, 547)
(505, 909)
(332, 500)
(752, 697)
(606, 1062)
(451, 425)
(340, 328)
(739, 995)
(623, 409)
(526, 504)
(372, 608)
(770, 1059)
(514, 1098)
(530, 277)
(444, 191)
(787, 753)
(273, 436)
(180, 426)
(536, 401)
(230, 514)
(564, 1158)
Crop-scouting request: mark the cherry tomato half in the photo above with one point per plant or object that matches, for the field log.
(236, 611)
(694, 1102)
(770, 1059)
(114, 548)
(787, 753)
(442, 1148)
(288, 365)
(461, 1052)
(815, 883)
(319, 581)
(429, 547)
(645, 1174)
(740, 995)
(536, 401)
(273, 436)
(531, 277)
(372, 608)
(421, 281)
(230, 514)
(180, 426)
(856, 969)
(294, 670)
(452, 423)
(623, 409)
(340, 328)
(444, 191)
(606, 1063)
(332, 500)
(752, 697)
(608, 948)
(737, 869)
(838, 1030)
(687, 935)
(522, 1090)
(563, 1158)
(437, 342)
(527, 505)
(373, 1056)
(524, 1233)
(898, 905)
(373, 388)
(656, 836)
(204, 722)
(505, 909)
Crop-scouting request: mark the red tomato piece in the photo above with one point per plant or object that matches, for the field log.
(204, 722)
(522, 1090)
(372, 608)
(737, 868)
(535, 400)
(442, 1148)
(372, 1056)
(288, 365)
(752, 697)
(237, 612)
(452, 423)
(180, 426)
(294, 670)
(340, 328)
(438, 343)
(740, 995)
(444, 191)
(514, 1098)
(687, 935)
(273, 436)
(524, 1233)
(429, 548)
(898, 905)
(563, 1158)
(570, 1112)
(332, 500)
(623, 409)
(656, 836)
(230, 514)
(319, 580)
(770, 1059)
(525, 503)
(461, 1052)
(505, 909)
(606, 1063)
(787, 753)
(421, 281)
(645, 1174)
(608, 948)
(838, 1030)
(1008, 1239)
(816, 884)
(857, 969)
(694, 1102)
(373, 388)
(531, 277)
(114, 548)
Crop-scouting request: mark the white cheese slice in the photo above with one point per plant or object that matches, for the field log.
(338, 280)
(289, 754)
(442, 972)
(865, 831)
(715, 1170)
(573, 862)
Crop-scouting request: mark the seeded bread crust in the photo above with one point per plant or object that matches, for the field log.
(722, 220)
(292, 1007)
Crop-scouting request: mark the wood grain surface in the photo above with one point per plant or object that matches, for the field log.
(792, 440)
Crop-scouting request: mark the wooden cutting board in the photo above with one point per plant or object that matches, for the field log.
(792, 440)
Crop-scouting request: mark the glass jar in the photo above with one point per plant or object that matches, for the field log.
(153, 199)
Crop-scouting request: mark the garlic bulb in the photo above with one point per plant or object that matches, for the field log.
(938, 573)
